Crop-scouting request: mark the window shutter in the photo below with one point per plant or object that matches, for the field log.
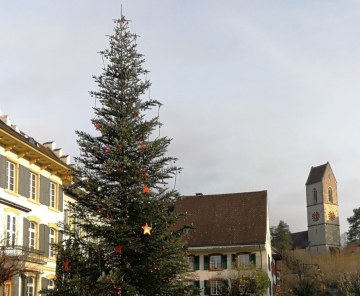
(253, 258)
(66, 217)
(47, 243)
(44, 191)
(2, 171)
(24, 181)
(60, 237)
(206, 262)
(233, 260)
(42, 238)
(61, 199)
(206, 288)
(224, 261)
(21, 188)
(44, 283)
(196, 262)
(197, 284)
(15, 284)
(26, 225)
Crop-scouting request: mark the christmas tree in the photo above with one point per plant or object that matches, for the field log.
(122, 239)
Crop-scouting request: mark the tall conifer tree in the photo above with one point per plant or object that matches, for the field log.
(121, 240)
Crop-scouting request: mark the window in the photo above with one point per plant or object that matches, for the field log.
(244, 260)
(330, 195)
(315, 196)
(52, 195)
(30, 286)
(10, 229)
(215, 288)
(10, 175)
(191, 262)
(33, 185)
(242, 287)
(32, 235)
(51, 284)
(188, 283)
(215, 262)
(7, 288)
(52, 242)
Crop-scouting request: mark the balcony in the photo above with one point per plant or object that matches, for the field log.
(24, 253)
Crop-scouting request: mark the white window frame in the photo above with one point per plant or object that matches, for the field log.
(215, 288)
(215, 262)
(53, 195)
(52, 237)
(30, 286)
(11, 226)
(33, 185)
(51, 285)
(191, 260)
(244, 260)
(10, 175)
(32, 235)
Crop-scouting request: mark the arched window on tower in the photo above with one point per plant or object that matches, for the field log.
(330, 195)
(315, 196)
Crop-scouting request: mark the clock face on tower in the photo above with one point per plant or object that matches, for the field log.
(331, 216)
(315, 216)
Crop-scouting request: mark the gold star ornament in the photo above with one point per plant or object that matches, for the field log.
(147, 229)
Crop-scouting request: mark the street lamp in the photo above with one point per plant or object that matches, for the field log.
(308, 266)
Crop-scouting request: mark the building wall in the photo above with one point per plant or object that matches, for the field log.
(44, 217)
(263, 259)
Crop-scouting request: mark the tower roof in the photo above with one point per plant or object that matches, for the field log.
(316, 174)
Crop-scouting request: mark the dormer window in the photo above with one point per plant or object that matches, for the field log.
(315, 196)
(330, 195)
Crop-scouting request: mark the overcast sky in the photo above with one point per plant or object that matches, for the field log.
(254, 92)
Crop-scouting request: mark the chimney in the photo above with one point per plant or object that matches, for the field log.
(58, 152)
(15, 127)
(50, 145)
(65, 159)
(6, 119)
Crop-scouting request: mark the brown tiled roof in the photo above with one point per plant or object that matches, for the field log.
(300, 240)
(316, 174)
(226, 219)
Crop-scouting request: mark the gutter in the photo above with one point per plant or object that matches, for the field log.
(226, 247)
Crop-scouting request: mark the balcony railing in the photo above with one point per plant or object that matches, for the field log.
(24, 253)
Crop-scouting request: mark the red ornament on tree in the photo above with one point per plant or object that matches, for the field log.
(118, 249)
(66, 265)
(146, 189)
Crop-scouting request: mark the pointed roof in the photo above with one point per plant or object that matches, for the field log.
(316, 174)
(225, 219)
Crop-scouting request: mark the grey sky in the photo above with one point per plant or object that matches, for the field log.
(254, 92)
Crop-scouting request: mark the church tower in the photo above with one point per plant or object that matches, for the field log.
(322, 210)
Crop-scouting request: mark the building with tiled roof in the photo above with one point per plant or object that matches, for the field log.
(229, 229)
(31, 204)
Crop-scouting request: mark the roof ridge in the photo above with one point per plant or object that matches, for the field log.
(233, 193)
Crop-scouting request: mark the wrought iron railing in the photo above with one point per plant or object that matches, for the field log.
(25, 253)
